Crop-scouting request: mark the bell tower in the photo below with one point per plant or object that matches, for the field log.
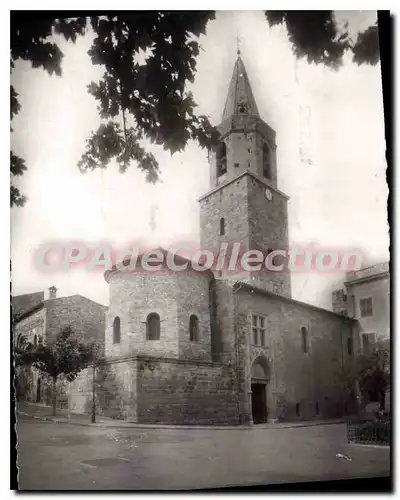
(244, 204)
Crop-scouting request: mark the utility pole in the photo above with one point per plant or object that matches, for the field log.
(94, 387)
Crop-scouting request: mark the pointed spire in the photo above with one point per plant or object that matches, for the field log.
(240, 99)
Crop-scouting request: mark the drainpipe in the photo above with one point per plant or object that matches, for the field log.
(93, 419)
(341, 352)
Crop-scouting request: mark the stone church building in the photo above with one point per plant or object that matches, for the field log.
(209, 348)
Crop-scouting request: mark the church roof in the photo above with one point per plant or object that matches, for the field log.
(239, 94)
(178, 260)
(23, 304)
(242, 285)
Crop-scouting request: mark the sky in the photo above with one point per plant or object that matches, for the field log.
(330, 154)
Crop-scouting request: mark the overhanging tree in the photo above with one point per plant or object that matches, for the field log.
(151, 100)
(66, 356)
(371, 371)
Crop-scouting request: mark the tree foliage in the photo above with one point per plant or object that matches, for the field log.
(65, 356)
(150, 100)
(315, 35)
(372, 371)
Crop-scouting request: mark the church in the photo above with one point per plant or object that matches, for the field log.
(209, 348)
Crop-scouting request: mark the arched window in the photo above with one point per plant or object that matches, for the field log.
(117, 330)
(21, 341)
(221, 159)
(194, 328)
(222, 226)
(35, 340)
(266, 161)
(304, 340)
(153, 327)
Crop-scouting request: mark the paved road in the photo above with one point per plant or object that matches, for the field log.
(69, 457)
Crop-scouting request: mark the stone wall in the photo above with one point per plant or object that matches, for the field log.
(153, 390)
(115, 390)
(87, 318)
(193, 298)
(132, 298)
(250, 220)
(174, 296)
(183, 392)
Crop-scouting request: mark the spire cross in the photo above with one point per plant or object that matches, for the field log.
(237, 44)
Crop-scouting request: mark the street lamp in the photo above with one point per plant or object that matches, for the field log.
(94, 385)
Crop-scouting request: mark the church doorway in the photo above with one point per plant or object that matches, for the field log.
(38, 395)
(258, 403)
(259, 383)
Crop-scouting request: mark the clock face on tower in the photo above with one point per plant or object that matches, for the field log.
(268, 194)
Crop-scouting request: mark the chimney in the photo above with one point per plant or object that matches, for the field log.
(52, 292)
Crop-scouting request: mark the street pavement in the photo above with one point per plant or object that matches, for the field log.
(64, 456)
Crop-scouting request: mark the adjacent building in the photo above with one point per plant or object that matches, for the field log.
(365, 297)
(37, 320)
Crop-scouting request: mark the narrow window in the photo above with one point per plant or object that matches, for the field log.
(221, 159)
(350, 346)
(222, 226)
(254, 323)
(117, 330)
(194, 328)
(258, 330)
(40, 340)
(298, 409)
(316, 408)
(266, 161)
(366, 344)
(304, 339)
(262, 330)
(21, 342)
(35, 340)
(366, 307)
(153, 327)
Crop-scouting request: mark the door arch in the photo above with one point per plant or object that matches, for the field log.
(260, 375)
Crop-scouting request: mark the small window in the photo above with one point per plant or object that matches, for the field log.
(221, 159)
(194, 328)
(237, 165)
(304, 340)
(40, 340)
(298, 409)
(153, 327)
(266, 161)
(316, 408)
(222, 226)
(366, 307)
(117, 330)
(350, 346)
(242, 108)
(35, 340)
